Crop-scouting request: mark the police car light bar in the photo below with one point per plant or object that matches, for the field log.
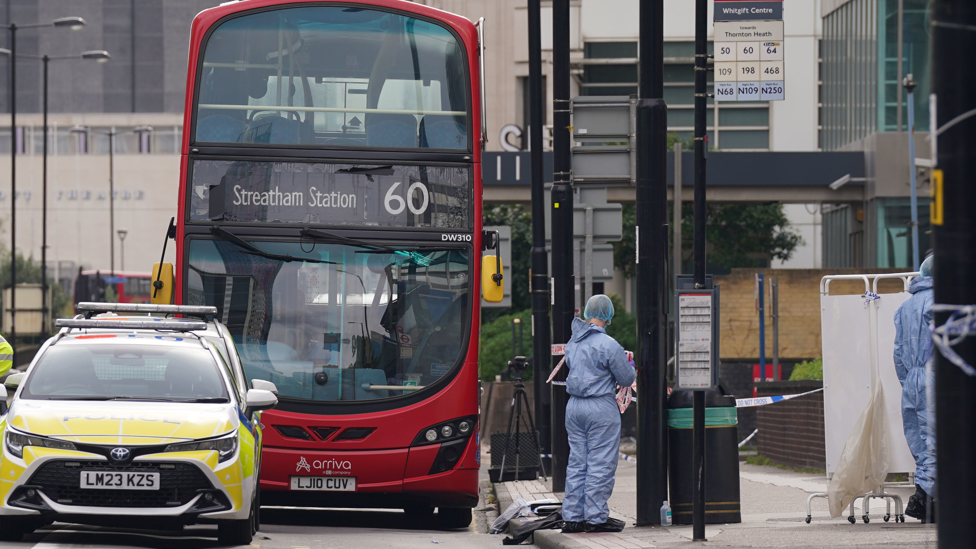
(196, 310)
(175, 325)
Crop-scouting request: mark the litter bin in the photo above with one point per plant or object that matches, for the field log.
(721, 458)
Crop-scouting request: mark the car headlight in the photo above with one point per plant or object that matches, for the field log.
(16, 441)
(225, 446)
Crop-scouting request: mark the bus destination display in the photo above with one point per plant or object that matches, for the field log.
(331, 194)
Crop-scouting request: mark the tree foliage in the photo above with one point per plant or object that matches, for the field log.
(737, 235)
(29, 272)
(496, 343)
(520, 221)
(496, 338)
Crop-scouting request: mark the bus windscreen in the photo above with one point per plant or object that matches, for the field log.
(336, 322)
(333, 77)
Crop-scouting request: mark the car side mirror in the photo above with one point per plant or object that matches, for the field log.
(258, 400)
(3, 402)
(13, 380)
(264, 385)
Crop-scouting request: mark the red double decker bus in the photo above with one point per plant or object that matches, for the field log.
(331, 210)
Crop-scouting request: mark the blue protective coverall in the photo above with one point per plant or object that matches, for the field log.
(597, 364)
(913, 348)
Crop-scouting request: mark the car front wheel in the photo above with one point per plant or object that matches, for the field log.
(13, 529)
(239, 532)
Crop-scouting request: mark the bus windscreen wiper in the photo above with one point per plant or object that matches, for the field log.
(254, 250)
(368, 170)
(371, 248)
(336, 239)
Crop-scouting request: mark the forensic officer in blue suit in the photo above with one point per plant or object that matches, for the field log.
(597, 365)
(913, 348)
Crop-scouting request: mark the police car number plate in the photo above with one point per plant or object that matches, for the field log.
(324, 484)
(106, 480)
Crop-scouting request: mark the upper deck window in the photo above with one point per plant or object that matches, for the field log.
(333, 76)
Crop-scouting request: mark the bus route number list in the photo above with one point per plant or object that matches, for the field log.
(749, 61)
(695, 341)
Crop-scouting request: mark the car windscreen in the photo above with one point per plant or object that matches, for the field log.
(109, 371)
(336, 322)
(334, 77)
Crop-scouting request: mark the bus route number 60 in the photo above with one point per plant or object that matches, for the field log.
(395, 204)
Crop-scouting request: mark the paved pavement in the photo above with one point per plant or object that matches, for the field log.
(773, 513)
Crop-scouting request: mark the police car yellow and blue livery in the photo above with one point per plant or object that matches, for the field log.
(142, 418)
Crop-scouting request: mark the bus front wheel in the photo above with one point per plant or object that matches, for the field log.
(454, 517)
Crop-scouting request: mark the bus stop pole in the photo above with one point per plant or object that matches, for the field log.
(701, 142)
(540, 259)
(955, 264)
(563, 304)
(652, 264)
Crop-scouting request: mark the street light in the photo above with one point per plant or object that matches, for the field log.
(100, 56)
(111, 133)
(73, 23)
(122, 233)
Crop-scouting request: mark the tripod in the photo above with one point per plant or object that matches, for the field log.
(516, 420)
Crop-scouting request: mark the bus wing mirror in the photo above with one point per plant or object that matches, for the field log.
(162, 277)
(492, 280)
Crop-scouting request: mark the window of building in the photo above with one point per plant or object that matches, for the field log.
(611, 68)
(915, 55)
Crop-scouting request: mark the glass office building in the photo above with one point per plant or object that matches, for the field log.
(864, 107)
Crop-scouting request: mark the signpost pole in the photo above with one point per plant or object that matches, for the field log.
(761, 309)
(698, 422)
(563, 307)
(652, 256)
(952, 44)
(676, 228)
(539, 257)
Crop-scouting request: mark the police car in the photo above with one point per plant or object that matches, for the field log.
(136, 421)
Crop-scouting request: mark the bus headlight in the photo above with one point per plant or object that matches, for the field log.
(224, 446)
(446, 431)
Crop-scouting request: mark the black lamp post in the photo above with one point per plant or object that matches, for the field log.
(73, 23)
(111, 133)
(101, 56)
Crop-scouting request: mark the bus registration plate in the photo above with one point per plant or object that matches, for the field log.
(324, 484)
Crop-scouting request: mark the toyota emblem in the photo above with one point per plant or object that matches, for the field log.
(120, 454)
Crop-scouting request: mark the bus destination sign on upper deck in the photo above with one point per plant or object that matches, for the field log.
(331, 194)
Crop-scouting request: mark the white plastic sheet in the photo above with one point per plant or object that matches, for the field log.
(863, 463)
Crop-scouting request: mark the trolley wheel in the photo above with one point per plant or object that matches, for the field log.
(866, 519)
(886, 517)
(808, 519)
(903, 518)
(851, 519)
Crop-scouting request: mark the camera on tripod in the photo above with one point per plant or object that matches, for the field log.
(515, 454)
(516, 367)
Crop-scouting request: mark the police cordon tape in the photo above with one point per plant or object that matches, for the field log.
(746, 402)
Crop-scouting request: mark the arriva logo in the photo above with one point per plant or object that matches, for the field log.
(327, 464)
(456, 238)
